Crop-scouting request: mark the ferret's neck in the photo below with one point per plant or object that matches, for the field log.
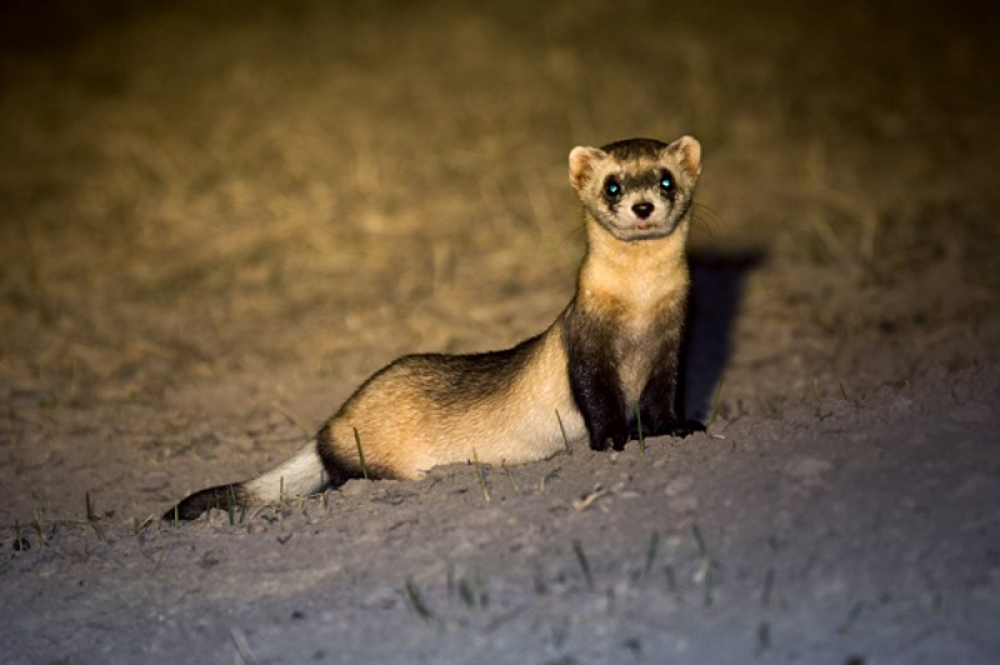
(634, 272)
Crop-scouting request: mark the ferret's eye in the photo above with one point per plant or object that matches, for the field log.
(612, 189)
(667, 182)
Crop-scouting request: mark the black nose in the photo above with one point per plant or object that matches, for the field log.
(643, 210)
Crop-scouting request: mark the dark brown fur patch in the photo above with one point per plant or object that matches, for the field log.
(593, 372)
(454, 380)
(629, 149)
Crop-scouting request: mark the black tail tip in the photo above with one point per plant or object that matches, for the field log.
(220, 497)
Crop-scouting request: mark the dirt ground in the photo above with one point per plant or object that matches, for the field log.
(217, 218)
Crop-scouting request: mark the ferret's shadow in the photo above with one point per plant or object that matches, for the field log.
(717, 281)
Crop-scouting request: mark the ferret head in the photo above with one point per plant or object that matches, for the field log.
(638, 188)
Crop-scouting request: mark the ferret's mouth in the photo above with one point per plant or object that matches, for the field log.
(643, 230)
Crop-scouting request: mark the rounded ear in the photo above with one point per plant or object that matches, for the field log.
(687, 151)
(581, 164)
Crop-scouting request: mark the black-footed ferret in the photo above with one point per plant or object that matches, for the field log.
(612, 353)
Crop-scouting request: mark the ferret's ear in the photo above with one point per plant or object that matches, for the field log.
(687, 151)
(581, 164)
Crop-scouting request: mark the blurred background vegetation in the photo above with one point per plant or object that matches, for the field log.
(193, 188)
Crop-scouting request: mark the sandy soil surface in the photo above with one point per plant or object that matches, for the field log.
(217, 219)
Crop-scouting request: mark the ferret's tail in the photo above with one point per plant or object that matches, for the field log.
(300, 475)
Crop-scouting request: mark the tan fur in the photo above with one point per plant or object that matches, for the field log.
(636, 284)
(687, 151)
(581, 159)
(657, 282)
(404, 432)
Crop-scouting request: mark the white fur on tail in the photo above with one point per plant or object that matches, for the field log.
(300, 475)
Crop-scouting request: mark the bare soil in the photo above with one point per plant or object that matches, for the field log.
(216, 219)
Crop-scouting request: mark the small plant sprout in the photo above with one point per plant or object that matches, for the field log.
(551, 475)
(763, 636)
(40, 529)
(642, 437)
(701, 576)
(242, 646)
(484, 596)
(671, 578)
(20, 543)
(852, 617)
(510, 476)
(92, 517)
(138, 526)
(765, 594)
(562, 429)
(466, 593)
(231, 504)
(654, 543)
(361, 454)
(481, 475)
(584, 564)
(417, 602)
(716, 402)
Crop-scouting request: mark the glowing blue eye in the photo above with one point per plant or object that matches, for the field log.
(612, 188)
(667, 181)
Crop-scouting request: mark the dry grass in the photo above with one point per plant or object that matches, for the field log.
(201, 189)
